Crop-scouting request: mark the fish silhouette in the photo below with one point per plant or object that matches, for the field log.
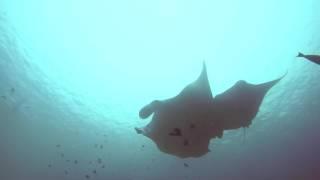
(184, 125)
(312, 58)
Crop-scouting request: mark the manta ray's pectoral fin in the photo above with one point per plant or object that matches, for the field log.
(197, 91)
(147, 110)
(239, 105)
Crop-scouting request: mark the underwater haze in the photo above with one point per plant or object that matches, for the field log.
(74, 75)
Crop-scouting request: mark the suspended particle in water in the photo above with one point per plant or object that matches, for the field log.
(12, 90)
(185, 165)
(99, 160)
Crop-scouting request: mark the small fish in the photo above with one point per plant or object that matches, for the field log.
(76, 161)
(87, 176)
(12, 90)
(94, 172)
(67, 160)
(142, 146)
(62, 155)
(66, 172)
(312, 58)
(185, 165)
(101, 146)
(58, 145)
(49, 165)
(99, 160)
(103, 166)
(4, 97)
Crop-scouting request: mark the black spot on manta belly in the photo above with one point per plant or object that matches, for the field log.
(175, 132)
(186, 142)
(192, 126)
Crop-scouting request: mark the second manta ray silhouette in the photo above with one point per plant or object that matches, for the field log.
(184, 125)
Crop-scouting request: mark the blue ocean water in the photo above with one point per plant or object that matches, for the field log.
(74, 76)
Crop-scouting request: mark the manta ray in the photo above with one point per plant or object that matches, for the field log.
(184, 125)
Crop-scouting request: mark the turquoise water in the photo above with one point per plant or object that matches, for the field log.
(74, 76)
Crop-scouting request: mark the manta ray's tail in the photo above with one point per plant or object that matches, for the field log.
(300, 54)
